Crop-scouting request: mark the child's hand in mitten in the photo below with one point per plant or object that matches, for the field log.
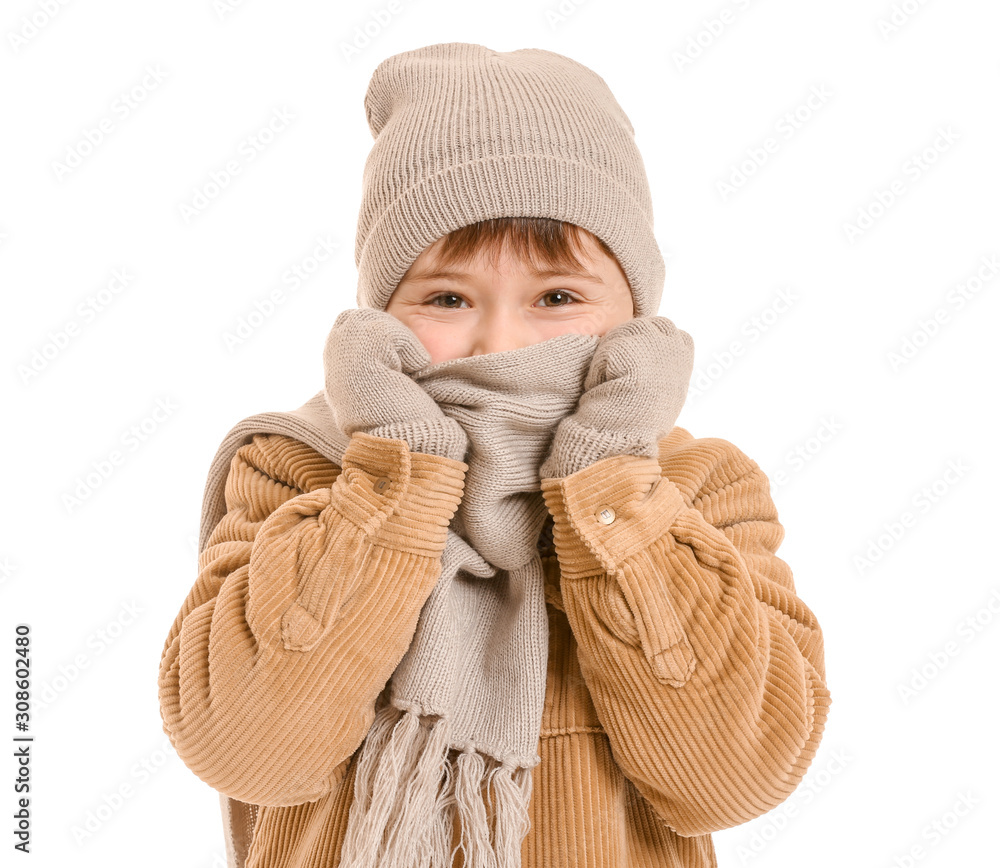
(633, 394)
(368, 358)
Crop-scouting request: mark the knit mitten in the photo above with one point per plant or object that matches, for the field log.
(634, 390)
(368, 359)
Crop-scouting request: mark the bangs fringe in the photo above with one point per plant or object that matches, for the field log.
(538, 240)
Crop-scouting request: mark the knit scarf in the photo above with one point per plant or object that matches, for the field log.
(457, 727)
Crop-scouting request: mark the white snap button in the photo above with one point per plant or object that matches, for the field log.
(381, 484)
(606, 515)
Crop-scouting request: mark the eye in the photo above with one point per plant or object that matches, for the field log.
(447, 300)
(567, 298)
(433, 301)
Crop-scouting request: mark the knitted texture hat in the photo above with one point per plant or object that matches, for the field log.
(465, 134)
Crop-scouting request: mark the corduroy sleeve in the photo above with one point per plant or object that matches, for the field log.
(705, 668)
(307, 597)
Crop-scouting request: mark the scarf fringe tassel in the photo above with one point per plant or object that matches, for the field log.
(408, 789)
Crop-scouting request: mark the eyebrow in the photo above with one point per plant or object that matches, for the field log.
(452, 274)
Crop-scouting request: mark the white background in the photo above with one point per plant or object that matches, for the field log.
(100, 580)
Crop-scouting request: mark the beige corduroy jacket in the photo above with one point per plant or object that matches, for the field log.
(686, 690)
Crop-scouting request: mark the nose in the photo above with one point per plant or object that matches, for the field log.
(498, 332)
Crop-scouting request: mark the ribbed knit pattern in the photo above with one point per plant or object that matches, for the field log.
(685, 686)
(464, 133)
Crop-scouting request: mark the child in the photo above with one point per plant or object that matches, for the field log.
(480, 601)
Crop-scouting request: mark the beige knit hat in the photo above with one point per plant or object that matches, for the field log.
(464, 133)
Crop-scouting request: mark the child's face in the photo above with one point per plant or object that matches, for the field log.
(476, 309)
